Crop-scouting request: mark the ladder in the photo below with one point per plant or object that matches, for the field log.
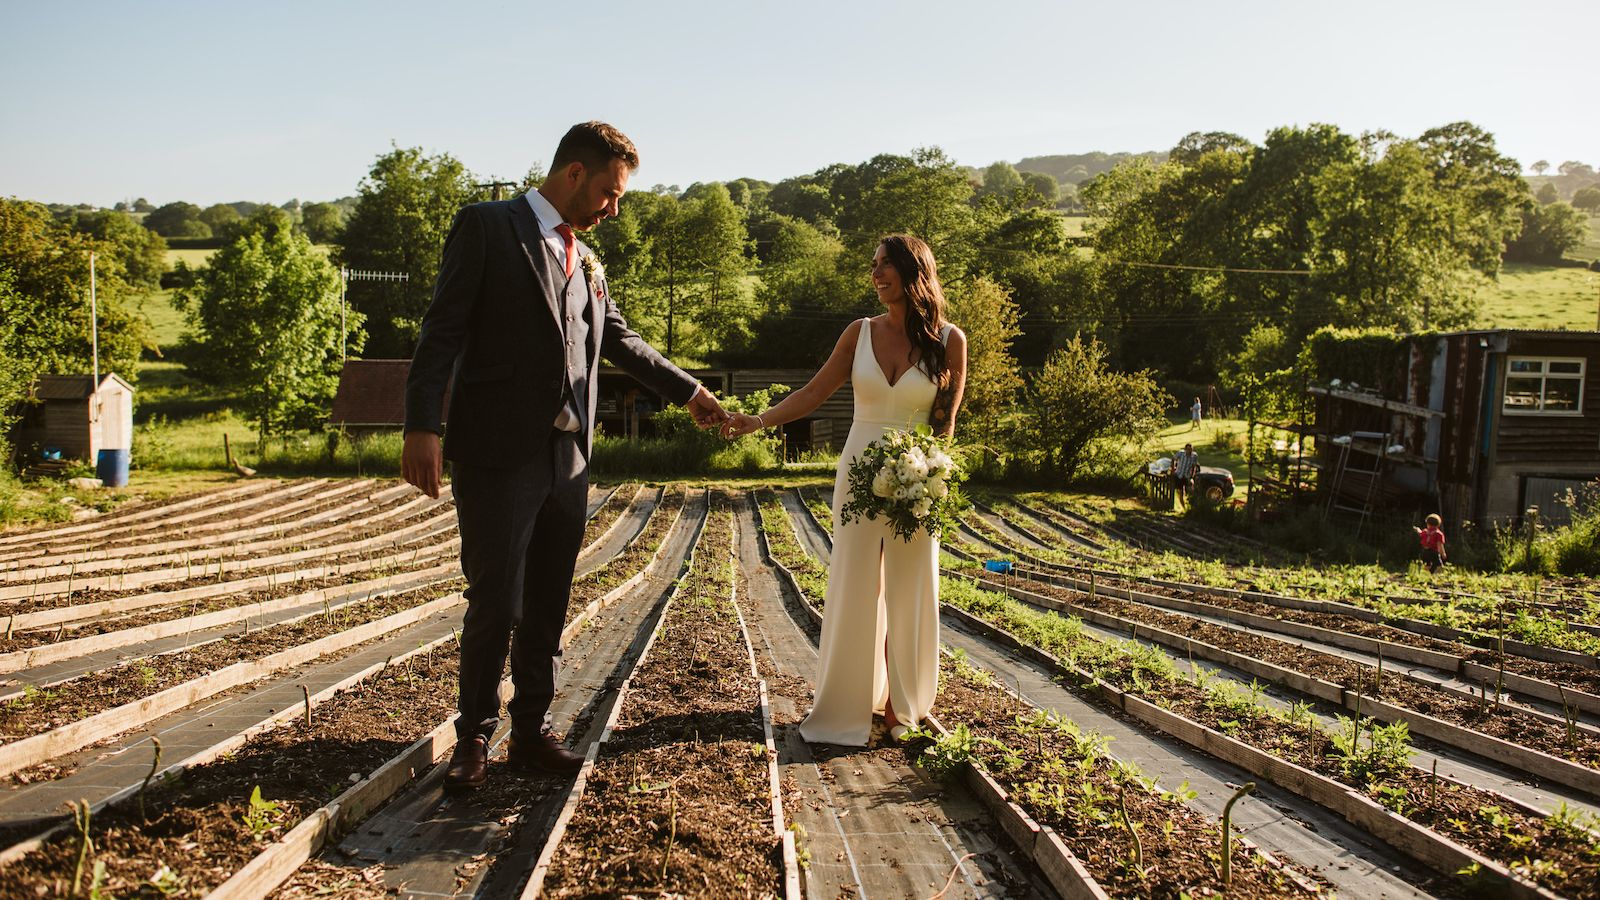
(1343, 467)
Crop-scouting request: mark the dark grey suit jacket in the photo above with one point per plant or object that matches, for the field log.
(495, 324)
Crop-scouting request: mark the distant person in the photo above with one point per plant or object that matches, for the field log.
(1432, 540)
(1185, 466)
(1195, 412)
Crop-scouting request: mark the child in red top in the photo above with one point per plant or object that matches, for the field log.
(1432, 540)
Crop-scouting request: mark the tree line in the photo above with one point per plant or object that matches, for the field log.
(1217, 254)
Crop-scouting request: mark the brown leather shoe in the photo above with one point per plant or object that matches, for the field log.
(542, 753)
(469, 764)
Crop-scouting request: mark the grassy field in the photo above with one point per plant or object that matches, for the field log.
(1529, 296)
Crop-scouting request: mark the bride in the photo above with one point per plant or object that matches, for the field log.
(880, 626)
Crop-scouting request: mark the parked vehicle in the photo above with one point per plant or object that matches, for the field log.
(1213, 484)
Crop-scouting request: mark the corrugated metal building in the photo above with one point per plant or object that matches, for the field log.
(1487, 423)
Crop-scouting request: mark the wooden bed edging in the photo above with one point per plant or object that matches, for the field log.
(1447, 662)
(1425, 845)
(226, 745)
(1527, 759)
(348, 594)
(1065, 872)
(264, 873)
(79, 734)
(271, 868)
(534, 886)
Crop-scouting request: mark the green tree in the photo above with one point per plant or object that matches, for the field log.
(16, 370)
(927, 195)
(805, 297)
(1078, 409)
(403, 213)
(322, 222)
(141, 252)
(1587, 199)
(679, 264)
(1547, 193)
(222, 219)
(1001, 181)
(265, 319)
(1043, 186)
(987, 315)
(177, 220)
(1385, 249)
(1541, 167)
(1549, 230)
(49, 297)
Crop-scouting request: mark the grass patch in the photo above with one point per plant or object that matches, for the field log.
(1532, 296)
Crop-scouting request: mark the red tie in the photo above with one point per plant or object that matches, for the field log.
(565, 231)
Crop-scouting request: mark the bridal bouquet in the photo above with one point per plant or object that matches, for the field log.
(911, 480)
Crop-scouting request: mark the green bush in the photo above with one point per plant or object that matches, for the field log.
(683, 448)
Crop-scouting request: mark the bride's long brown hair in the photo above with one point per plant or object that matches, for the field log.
(925, 303)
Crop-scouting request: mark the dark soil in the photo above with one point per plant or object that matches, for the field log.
(363, 524)
(50, 708)
(1389, 780)
(369, 560)
(1508, 722)
(195, 824)
(1062, 783)
(678, 801)
(120, 622)
(116, 537)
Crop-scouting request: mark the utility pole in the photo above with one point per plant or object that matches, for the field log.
(94, 325)
(346, 276)
(494, 187)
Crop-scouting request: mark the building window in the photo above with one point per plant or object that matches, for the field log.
(1544, 386)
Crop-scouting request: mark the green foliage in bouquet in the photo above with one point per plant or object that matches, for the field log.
(911, 479)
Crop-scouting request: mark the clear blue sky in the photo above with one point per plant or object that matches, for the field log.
(218, 101)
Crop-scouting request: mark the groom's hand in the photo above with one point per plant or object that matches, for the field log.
(422, 462)
(707, 412)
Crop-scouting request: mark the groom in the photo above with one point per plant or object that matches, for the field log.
(521, 317)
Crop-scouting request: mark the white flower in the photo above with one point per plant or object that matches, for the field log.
(902, 492)
(921, 508)
(940, 463)
(917, 491)
(883, 484)
(937, 488)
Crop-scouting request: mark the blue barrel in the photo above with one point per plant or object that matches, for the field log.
(112, 468)
(1002, 566)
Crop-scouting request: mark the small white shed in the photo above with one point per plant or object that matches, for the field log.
(78, 418)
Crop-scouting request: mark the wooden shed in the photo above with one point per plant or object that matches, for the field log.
(71, 414)
(371, 397)
(1484, 423)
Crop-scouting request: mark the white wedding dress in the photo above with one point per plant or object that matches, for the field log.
(878, 584)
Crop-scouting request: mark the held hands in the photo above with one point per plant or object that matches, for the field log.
(706, 410)
(741, 424)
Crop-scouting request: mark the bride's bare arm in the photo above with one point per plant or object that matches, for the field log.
(801, 403)
(943, 416)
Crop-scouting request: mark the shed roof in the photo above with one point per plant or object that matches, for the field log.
(72, 387)
(372, 392)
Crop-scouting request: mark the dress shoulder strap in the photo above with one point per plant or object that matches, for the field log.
(944, 333)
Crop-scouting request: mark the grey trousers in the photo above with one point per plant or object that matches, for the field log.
(521, 530)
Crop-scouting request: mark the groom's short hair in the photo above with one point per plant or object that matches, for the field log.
(595, 144)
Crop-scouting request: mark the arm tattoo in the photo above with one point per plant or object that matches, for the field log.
(942, 416)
